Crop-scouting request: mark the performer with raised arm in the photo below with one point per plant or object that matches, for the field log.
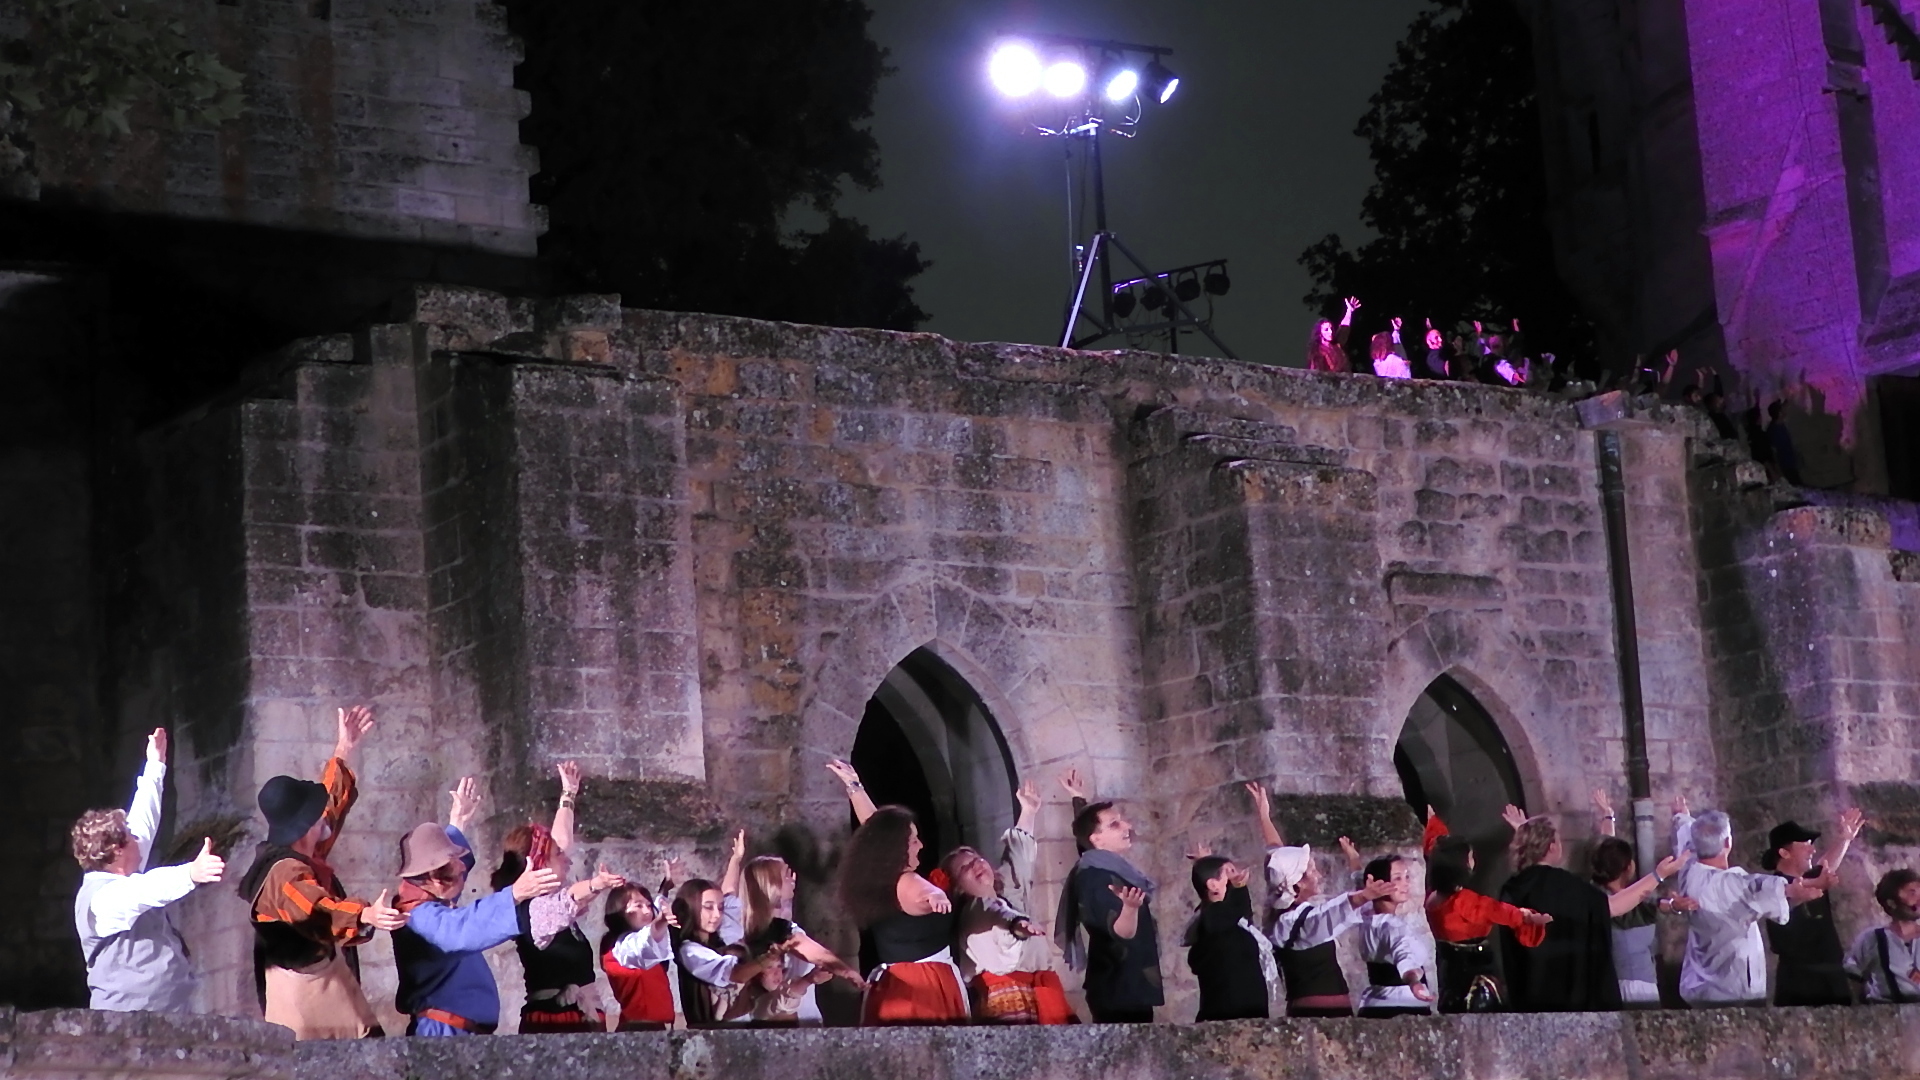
(1305, 923)
(712, 973)
(767, 886)
(1631, 904)
(1109, 896)
(554, 952)
(446, 987)
(1004, 954)
(1231, 959)
(909, 918)
(1812, 968)
(1463, 920)
(136, 959)
(303, 919)
(635, 949)
(1726, 962)
(1572, 970)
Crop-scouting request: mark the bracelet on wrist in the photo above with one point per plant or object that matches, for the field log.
(856, 786)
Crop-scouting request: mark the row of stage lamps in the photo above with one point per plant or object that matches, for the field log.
(1018, 70)
(1185, 285)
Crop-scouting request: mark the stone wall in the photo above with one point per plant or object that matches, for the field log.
(1733, 1044)
(687, 550)
(385, 119)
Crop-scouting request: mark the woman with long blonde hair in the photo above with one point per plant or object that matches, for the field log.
(767, 890)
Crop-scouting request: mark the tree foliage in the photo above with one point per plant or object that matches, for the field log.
(679, 141)
(1459, 197)
(89, 63)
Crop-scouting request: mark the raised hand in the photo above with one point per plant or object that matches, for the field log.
(1378, 888)
(1261, 800)
(1199, 851)
(1602, 806)
(1851, 822)
(1028, 797)
(1070, 780)
(1129, 896)
(604, 879)
(1513, 816)
(673, 868)
(738, 850)
(1679, 804)
(354, 723)
(466, 799)
(844, 772)
(1353, 304)
(382, 917)
(569, 777)
(1354, 861)
(1241, 875)
(532, 883)
(157, 746)
(206, 867)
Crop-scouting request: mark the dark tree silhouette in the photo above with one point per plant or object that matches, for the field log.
(678, 141)
(1460, 191)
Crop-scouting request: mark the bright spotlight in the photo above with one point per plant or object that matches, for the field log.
(1065, 79)
(1014, 69)
(1122, 85)
(1161, 83)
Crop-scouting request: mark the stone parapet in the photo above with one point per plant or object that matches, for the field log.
(1880, 1042)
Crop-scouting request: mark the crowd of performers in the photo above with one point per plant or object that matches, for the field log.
(962, 944)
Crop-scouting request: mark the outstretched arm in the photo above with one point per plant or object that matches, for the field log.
(1603, 815)
(730, 880)
(143, 812)
(563, 814)
(466, 800)
(1851, 822)
(856, 791)
(1263, 813)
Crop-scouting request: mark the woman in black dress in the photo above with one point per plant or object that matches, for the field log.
(1227, 953)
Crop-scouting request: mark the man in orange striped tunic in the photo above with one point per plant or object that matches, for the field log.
(303, 919)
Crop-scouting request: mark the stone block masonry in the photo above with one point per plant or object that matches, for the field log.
(384, 119)
(687, 551)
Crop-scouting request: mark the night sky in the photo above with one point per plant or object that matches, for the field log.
(1252, 160)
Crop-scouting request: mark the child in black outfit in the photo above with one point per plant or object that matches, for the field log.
(1227, 953)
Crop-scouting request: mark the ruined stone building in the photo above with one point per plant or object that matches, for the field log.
(703, 556)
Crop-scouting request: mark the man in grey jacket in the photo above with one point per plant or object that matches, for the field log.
(135, 957)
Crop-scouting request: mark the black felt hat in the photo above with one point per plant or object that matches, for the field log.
(291, 806)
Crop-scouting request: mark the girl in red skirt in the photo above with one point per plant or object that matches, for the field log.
(634, 954)
(908, 918)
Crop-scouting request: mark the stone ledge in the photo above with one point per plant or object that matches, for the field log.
(1875, 1042)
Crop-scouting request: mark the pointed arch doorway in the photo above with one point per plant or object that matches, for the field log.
(1451, 756)
(927, 742)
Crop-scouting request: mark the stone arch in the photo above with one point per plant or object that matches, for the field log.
(979, 638)
(1482, 652)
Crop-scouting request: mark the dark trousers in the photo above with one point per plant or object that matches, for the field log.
(1121, 1016)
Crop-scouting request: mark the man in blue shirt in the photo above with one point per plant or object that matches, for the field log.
(445, 984)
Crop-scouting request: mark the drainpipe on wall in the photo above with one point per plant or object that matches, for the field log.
(1608, 414)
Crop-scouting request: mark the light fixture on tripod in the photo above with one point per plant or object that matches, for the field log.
(1078, 89)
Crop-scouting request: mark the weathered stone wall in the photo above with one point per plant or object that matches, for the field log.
(387, 119)
(686, 550)
(1733, 1044)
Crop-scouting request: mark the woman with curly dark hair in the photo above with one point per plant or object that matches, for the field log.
(910, 920)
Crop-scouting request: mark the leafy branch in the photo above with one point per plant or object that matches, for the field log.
(88, 63)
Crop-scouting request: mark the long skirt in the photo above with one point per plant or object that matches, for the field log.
(1021, 997)
(920, 992)
(320, 1002)
(1468, 981)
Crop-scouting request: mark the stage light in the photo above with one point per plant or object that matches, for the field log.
(1156, 297)
(1065, 78)
(1217, 281)
(1187, 287)
(1123, 302)
(1014, 69)
(1161, 83)
(1121, 85)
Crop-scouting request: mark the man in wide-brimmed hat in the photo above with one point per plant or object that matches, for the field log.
(446, 986)
(303, 919)
(136, 959)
